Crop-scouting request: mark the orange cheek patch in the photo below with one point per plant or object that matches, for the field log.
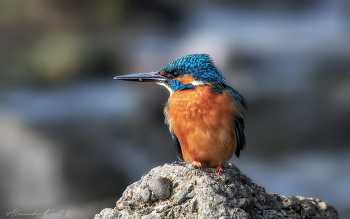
(186, 79)
(163, 73)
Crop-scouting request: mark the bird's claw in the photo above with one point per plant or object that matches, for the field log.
(219, 170)
(197, 164)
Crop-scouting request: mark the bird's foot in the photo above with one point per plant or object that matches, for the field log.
(219, 170)
(197, 164)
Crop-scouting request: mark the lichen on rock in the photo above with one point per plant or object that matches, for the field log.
(178, 190)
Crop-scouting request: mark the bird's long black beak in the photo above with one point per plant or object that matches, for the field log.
(143, 77)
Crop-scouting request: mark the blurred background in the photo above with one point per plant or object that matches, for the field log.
(71, 138)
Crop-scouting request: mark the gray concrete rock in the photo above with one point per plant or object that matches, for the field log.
(160, 187)
(184, 192)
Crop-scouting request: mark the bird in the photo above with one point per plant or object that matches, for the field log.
(203, 113)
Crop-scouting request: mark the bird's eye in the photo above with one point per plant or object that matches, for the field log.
(175, 73)
(170, 74)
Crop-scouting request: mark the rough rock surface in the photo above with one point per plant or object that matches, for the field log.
(178, 190)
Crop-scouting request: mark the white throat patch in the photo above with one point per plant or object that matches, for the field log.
(167, 87)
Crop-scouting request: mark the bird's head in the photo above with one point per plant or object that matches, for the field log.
(183, 73)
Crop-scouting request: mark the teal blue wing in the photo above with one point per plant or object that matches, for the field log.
(239, 129)
(238, 119)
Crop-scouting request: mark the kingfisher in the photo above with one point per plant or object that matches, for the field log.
(204, 114)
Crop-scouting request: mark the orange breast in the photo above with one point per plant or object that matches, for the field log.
(202, 120)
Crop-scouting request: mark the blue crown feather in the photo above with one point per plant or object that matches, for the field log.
(200, 66)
